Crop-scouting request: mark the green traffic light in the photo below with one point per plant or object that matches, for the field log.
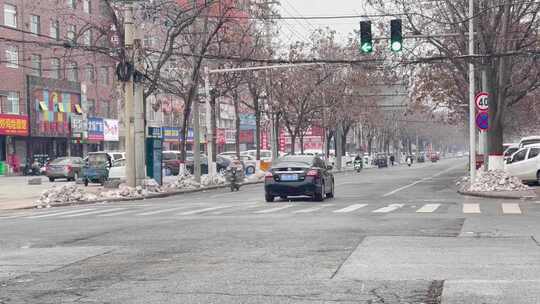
(396, 46)
(366, 47)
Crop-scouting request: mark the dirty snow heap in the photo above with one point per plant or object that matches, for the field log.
(496, 180)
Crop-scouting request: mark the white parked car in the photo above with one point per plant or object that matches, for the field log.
(509, 152)
(266, 155)
(118, 170)
(525, 164)
(529, 140)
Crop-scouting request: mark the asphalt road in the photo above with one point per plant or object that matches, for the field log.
(396, 235)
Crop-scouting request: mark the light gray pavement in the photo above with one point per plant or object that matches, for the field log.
(396, 235)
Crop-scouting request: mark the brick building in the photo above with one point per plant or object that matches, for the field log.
(57, 94)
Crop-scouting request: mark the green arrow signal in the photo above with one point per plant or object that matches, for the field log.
(366, 47)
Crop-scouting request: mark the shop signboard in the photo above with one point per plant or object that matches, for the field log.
(13, 125)
(111, 130)
(78, 126)
(247, 122)
(95, 129)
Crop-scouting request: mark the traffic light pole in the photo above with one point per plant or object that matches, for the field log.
(472, 122)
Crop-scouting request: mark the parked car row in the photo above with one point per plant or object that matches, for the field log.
(522, 159)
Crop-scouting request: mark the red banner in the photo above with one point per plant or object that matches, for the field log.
(15, 125)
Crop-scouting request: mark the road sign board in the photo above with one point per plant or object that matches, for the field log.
(481, 100)
(482, 120)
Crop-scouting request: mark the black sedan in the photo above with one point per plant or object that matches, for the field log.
(221, 164)
(299, 175)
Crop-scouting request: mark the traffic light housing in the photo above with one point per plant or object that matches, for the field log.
(396, 37)
(366, 40)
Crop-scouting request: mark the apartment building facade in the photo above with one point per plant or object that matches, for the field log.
(58, 96)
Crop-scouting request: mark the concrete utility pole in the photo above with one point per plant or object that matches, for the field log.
(209, 130)
(472, 121)
(140, 134)
(128, 98)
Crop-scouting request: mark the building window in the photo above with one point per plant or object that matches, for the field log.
(10, 15)
(72, 72)
(72, 3)
(104, 8)
(104, 75)
(87, 7)
(55, 29)
(12, 106)
(35, 24)
(89, 73)
(12, 57)
(72, 29)
(55, 68)
(36, 65)
(87, 37)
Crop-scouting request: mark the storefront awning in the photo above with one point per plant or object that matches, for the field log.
(78, 109)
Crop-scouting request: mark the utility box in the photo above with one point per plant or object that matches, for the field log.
(154, 157)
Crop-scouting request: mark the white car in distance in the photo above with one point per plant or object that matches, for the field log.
(525, 164)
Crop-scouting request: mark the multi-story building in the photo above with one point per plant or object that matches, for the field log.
(55, 91)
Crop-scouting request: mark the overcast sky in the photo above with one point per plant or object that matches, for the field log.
(299, 29)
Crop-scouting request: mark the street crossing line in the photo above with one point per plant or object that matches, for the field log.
(162, 211)
(388, 208)
(511, 208)
(91, 212)
(59, 213)
(308, 210)
(428, 208)
(203, 210)
(272, 209)
(116, 213)
(351, 208)
(471, 208)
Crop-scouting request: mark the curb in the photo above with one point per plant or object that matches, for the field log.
(496, 195)
(152, 196)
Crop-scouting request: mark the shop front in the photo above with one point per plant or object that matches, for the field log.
(51, 104)
(13, 135)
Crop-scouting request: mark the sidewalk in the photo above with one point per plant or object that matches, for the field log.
(522, 195)
(15, 193)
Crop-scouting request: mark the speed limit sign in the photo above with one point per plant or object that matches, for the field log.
(481, 101)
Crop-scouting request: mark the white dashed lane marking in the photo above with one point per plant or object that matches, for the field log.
(428, 208)
(92, 212)
(59, 213)
(203, 210)
(351, 208)
(389, 208)
(511, 208)
(272, 209)
(471, 208)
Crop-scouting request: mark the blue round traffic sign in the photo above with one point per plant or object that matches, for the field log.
(482, 120)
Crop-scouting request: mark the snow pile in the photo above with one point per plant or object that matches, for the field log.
(63, 194)
(496, 180)
(216, 180)
(183, 181)
(255, 177)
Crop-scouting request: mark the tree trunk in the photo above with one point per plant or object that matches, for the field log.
(301, 143)
(293, 143)
(257, 128)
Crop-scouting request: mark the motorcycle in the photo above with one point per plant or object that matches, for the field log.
(234, 177)
(358, 165)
